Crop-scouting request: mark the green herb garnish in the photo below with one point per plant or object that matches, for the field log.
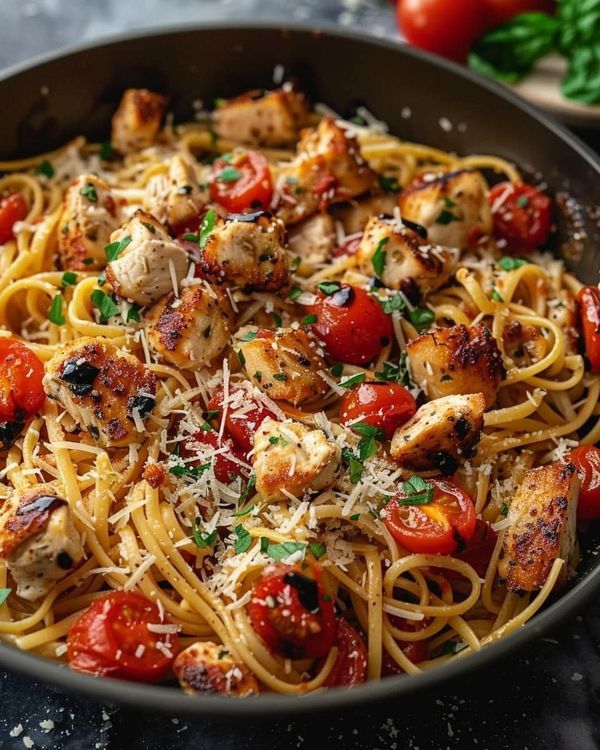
(114, 249)
(201, 538)
(416, 491)
(508, 263)
(56, 314)
(353, 380)
(421, 318)
(68, 279)
(243, 541)
(89, 192)
(104, 304)
(46, 168)
(379, 256)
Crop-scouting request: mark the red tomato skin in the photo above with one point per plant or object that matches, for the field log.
(118, 622)
(498, 12)
(12, 209)
(587, 460)
(478, 551)
(21, 373)
(442, 535)
(241, 430)
(293, 637)
(384, 405)
(352, 325)
(254, 189)
(589, 307)
(350, 667)
(522, 227)
(226, 470)
(445, 28)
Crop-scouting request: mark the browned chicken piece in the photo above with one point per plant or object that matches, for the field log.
(441, 435)
(400, 257)
(356, 214)
(524, 344)
(107, 391)
(248, 251)
(453, 207)
(456, 360)
(262, 118)
(543, 515)
(38, 540)
(327, 169)
(136, 122)
(192, 330)
(206, 667)
(314, 239)
(293, 457)
(175, 198)
(88, 218)
(150, 264)
(284, 363)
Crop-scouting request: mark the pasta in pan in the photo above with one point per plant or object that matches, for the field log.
(312, 410)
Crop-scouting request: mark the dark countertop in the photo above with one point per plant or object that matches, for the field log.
(548, 696)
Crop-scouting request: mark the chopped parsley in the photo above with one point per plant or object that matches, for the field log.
(56, 314)
(258, 376)
(4, 595)
(389, 184)
(244, 511)
(195, 472)
(522, 201)
(278, 440)
(248, 488)
(318, 549)
(241, 357)
(308, 320)
(329, 287)
(508, 263)
(106, 150)
(249, 336)
(281, 376)
(355, 517)
(208, 224)
(295, 292)
(421, 318)
(46, 168)
(229, 174)
(496, 296)
(445, 217)
(379, 256)
(201, 538)
(89, 192)
(150, 227)
(278, 319)
(114, 249)
(504, 510)
(280, 551)
(68, 279)
(392, 303)
(295, 264)
(448, 202)
(416, 491)
(337, 370)
(243, 541)
(104, 304)
(392, 373)
(350, 382)
(353, 464)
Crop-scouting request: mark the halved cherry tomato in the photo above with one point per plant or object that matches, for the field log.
(105, 641)
(589, 310)
(291, 611)
(587, 460)
(350, 667)
(446, 27)
(498, 12)
(384, 405)
(225, 467)
(347, 248)
(440, 527)
(352, 325)
(12, 209)
(479, 549)
(21, 373)
(241, 430)
(522, 215)
(244, 182)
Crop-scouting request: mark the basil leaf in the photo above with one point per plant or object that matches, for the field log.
(243, 541)
(317, 548)
(201, 538)
(579, 24)
(508, 263)
(56, 314)
(133, 314)
(367, 448)
(392, 303)
(208, 224)
(4, 595)
(229, 174)
(244, 511)
(392, 373)
(329, 287)
(421, 318)
(280, 551)
(295, 292)
(189, 471)
(510, 51)
(309, 320)
(89, 192)
(368, 430)
(496, 296)
(445, 217)
(337, 370)
(582, 81)
(379, 256)
(353, 464)
(68, 279)
(248, 488)
(114, 249)
(350, 382)
(416, 491)
(389, 184)
(46, 168)
(104, 303)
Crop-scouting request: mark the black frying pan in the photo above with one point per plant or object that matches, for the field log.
(52, 100)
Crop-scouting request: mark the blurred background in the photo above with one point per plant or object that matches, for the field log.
(548, 696)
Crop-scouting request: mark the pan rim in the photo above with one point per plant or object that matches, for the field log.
(170, 700)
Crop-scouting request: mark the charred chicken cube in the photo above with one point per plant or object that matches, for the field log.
(136, 122)
(328, 168)
(523, 344)
(284, 363)
(456, 360)
(192, 330)
(38, 540)
(292, 457)
(262, 118)
(108, 392)
(543, 515)
(175, 198)
(150, 263)
(89, 216)
(248, 251)
(209, 668)
(441, 435)
(396, 254)
(355, 215)
(453, 207)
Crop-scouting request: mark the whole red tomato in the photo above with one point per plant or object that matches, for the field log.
(498, 12)
(446, 27)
